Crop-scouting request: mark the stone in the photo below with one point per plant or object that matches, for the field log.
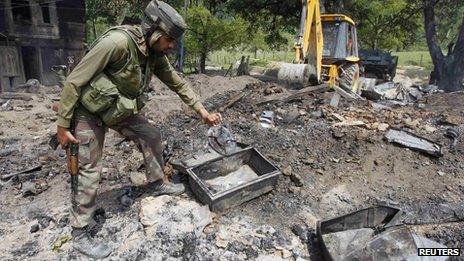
(429, 128)
(412, 123)
(178, 216)
(266, 230)
(30, 188)
(45, 221)
(286, 254)
(374, 125)
(267, 243)
(272, 89)
(45, 159)
(297, 180)
(34, 228)
(309, 161)
(236, 246)
(228, 255)
(280, 111)
(337, 133)
(291, 115)
(441, 173)
(221, 243)
(287, 171)
(293, 189)
(317, 114)
(63, 221)
(300, 232)
(63, 239)
(126, 201)
(138, 178)
(6, 152)
(383, 126)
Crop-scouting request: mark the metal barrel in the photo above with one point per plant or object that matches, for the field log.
(297, 73)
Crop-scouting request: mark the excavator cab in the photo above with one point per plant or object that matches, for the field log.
(340, 39)
(340, 55)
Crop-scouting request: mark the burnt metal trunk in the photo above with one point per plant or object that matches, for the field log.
(231, 180)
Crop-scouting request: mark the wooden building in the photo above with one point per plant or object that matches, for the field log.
(36, 34)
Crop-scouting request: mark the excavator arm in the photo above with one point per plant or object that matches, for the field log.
(309, 43)
(307, 64)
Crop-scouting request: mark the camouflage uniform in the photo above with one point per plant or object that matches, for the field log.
(112, 51)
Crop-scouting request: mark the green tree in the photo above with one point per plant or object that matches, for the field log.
(450, 13)
(207, 33)
(449, 68)
(94, 12)
(104, 14)
(256, 41)
(385, 24)
(274, 17)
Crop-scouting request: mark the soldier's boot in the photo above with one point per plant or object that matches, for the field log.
(85, 244)
(167, 188)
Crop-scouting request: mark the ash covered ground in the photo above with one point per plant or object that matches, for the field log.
(334, 161)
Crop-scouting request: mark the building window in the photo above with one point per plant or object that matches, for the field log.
(21, 12)
(45, 12)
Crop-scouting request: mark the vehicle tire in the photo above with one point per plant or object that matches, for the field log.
(349, 76)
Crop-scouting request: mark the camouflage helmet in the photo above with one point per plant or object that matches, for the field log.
(159, 14)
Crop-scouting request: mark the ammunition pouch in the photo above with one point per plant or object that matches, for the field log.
(99, 94)
(119, 110)
(102, 97)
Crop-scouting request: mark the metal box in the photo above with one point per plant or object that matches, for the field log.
(231, 180)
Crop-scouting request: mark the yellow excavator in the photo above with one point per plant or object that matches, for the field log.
(326, 50)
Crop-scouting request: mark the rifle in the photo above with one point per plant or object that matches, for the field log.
(72, 150)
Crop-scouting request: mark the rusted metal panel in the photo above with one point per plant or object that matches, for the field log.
(11, 72)
(2, 18)
(371, 234)
(9, 61)
(414, 142)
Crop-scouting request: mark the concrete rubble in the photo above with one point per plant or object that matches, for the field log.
(165, 214)
(334, 160)
(402, 93)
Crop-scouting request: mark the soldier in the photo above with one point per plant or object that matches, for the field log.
(106, 89)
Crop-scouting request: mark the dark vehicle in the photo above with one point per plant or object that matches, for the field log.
(378, 64)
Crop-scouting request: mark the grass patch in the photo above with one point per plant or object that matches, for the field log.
(416, 58)
(225, 58)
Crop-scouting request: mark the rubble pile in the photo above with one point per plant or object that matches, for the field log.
(334, 160)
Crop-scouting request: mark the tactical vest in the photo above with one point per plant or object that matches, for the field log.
(117, 93)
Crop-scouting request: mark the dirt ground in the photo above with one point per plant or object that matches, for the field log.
(330, 166)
